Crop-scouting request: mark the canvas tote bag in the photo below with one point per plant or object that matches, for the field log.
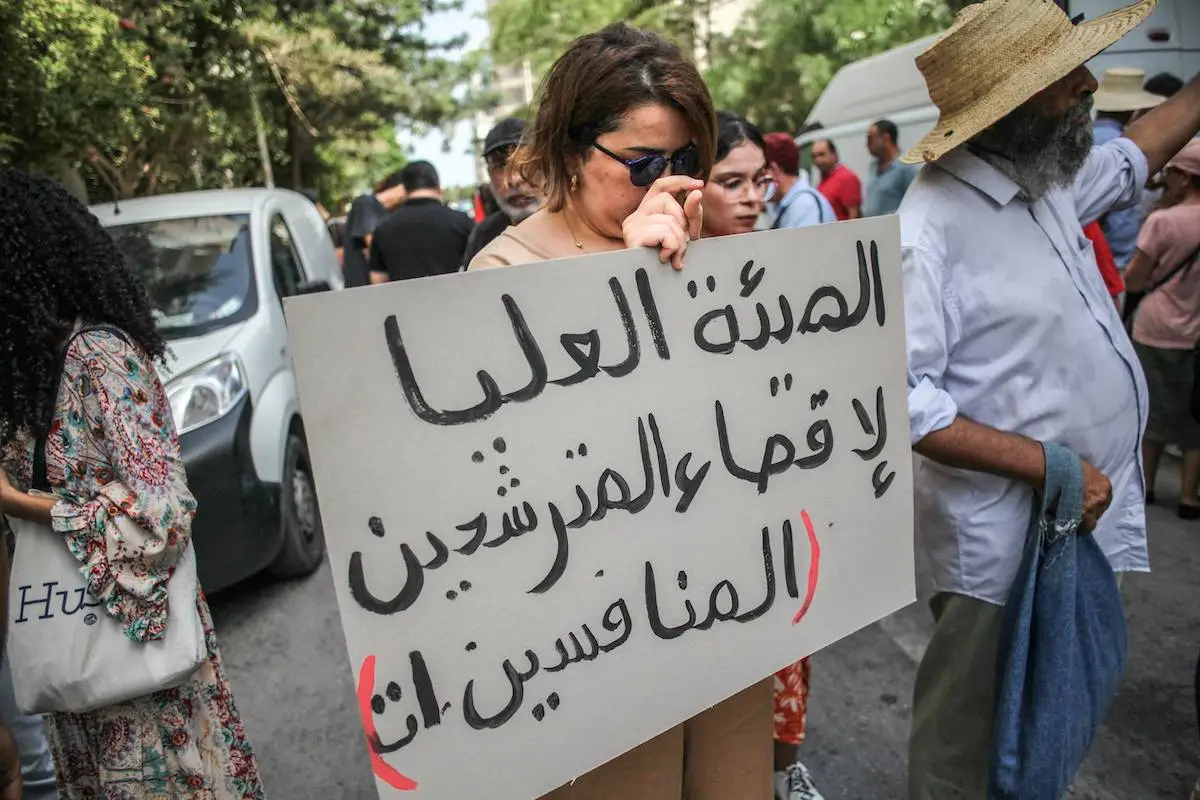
(65, 652)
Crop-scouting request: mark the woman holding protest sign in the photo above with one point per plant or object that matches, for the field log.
(622, 140)
(734, 197)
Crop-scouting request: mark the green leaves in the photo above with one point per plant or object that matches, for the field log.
(143, 96)
(68, 75)
(772, 68)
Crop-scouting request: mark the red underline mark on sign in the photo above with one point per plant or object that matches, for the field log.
(382, 770)
(814, 566)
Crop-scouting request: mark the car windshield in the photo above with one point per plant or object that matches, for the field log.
(196, 270)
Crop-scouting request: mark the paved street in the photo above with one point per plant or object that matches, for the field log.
(288, 665)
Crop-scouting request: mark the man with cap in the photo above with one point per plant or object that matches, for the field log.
(515, 197)
(1012, 339)
(1118, 99)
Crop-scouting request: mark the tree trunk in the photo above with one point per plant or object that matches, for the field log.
(295, 150)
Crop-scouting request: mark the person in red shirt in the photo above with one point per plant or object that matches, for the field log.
(839, 184)
(1105, 261)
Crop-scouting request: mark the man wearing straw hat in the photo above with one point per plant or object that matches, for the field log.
(1012, 339)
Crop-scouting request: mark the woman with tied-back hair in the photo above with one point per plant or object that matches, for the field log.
(625, 126)
(111, 452)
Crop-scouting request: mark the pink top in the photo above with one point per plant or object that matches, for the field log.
(1169, 317)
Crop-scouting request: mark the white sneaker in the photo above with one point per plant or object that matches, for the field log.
(1195, 789)
(795, 783)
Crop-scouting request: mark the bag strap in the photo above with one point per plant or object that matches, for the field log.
(1062, 495)
(813, 195)
(39, 479)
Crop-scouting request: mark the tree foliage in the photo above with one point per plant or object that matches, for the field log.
(144, 96)
(65, 80)
(774, 67)
(771, 68)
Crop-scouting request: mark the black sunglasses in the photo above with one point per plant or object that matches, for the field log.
(645, 170)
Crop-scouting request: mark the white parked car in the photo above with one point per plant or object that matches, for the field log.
(217, 266)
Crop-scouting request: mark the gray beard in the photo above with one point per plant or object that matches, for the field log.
(517, 214)
(1036, 152)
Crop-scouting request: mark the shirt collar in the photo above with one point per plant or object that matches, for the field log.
(974, 171)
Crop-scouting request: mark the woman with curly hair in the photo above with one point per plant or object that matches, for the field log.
(111, 451)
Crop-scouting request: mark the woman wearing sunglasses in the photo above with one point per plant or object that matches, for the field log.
(624, 126)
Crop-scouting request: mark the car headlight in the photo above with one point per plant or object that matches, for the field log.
(207, 392)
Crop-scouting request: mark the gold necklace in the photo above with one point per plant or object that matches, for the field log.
(578, 242)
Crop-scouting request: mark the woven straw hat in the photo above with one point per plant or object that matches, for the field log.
(1000, 53)
(1121, 90)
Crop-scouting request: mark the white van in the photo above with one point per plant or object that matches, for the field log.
(889, 85)
(217, 266)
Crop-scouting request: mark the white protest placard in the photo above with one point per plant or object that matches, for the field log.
(570, 505)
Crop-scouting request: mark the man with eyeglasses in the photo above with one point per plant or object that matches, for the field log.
(796, 203)
(513, 195)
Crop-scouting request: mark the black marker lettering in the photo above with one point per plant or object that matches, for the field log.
(688, 484)
(492, 396)
(426, 696)
(561, 552)
(820, 442)
(789, 559)
(750, 281)
(516, 680)
(769, 571)
(662, 456)
(623, 624)
(866, 454)
(414, 580)
(701, 336)
(656, 624)
(589, 363)
(844, 319)
(479, 524)
(880, 311)
(652, 317)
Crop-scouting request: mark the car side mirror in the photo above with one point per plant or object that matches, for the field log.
(313, 287)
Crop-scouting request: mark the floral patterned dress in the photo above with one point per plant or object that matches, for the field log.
(112, 450)
(791, 702)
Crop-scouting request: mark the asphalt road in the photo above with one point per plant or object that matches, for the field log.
(291, 676)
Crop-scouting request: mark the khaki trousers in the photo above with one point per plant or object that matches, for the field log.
(724, 753)
(954, 701)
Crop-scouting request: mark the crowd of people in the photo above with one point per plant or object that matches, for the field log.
(440, 240)
(1050, 296)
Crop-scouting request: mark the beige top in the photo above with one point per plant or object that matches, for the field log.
(512, 246)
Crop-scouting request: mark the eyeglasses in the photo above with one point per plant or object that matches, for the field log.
(498, 159)
(645, 170)
(736, 185)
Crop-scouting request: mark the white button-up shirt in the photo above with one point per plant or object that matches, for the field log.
(1009, 324)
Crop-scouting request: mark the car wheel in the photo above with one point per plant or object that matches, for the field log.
(303, 536)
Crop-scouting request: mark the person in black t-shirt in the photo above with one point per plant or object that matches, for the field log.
(366, 212)
(515, 197)
(424, 236)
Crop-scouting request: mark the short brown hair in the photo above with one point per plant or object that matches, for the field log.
(601, 77)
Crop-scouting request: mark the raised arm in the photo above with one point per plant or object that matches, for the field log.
(1163, 131)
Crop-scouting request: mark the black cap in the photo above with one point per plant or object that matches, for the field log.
(506, 133)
